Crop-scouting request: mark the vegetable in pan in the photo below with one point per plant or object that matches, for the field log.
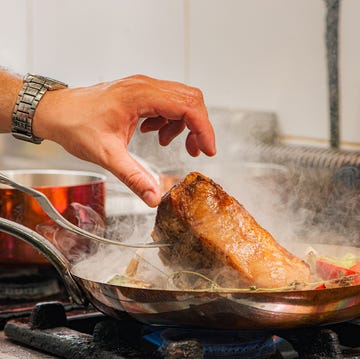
(346, 269)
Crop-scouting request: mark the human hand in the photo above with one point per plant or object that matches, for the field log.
(96, 124)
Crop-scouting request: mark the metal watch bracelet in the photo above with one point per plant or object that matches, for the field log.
(33, 90)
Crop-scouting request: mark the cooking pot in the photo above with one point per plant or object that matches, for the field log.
(62, 187)
(220, 309)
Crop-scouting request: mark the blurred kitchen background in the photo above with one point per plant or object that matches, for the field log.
(261, 64)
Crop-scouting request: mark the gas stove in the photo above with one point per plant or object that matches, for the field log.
(66, 331)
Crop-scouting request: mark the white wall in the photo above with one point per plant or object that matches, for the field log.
(265, 55)
(102, 40)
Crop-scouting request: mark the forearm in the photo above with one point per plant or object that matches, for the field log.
(10, 85)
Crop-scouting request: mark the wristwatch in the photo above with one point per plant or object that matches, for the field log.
(34, 88)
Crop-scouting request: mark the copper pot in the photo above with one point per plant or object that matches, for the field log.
(62, 187)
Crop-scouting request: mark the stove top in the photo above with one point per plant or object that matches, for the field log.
(78, 332)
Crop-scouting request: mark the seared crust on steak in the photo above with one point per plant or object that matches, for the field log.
(211, 232)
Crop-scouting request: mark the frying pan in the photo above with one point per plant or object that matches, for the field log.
(211, 309)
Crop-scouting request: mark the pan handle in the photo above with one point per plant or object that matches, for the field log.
(56, 258)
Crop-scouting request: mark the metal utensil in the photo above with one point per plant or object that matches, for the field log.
(52, 212)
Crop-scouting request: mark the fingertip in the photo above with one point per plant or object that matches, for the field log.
(209, 149)
(191, 145)
(212, 151)
(151, 198)
(195, 152)
(137, 178)
(146, 126)
(207, 144)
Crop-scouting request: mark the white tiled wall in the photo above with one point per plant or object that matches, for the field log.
(265, 55)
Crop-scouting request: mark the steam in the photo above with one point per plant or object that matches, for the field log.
(299, 207)
(326, 202)
(110, 260)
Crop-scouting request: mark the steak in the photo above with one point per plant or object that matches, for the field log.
(212, 233)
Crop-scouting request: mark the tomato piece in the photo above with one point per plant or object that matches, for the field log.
(326, 270)
(321, 286)
(356, 267)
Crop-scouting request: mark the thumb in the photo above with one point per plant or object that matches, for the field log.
(136, 177)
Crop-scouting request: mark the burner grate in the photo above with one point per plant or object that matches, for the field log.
(338, 341)
(83, 336)
(86, 334)
(30, 284)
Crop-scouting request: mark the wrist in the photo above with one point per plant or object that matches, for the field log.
(47, 115)
(11, 89)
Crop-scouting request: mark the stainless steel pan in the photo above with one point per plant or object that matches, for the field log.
(220, 310)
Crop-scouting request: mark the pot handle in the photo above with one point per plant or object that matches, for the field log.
(57, 259)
